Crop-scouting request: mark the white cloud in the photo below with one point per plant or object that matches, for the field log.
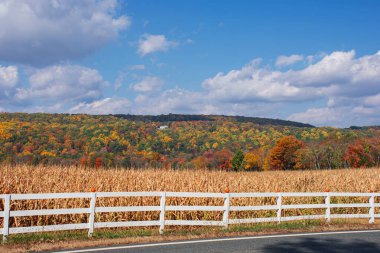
(62, 83)
(184, 101)
(8, 77)
(149, 43)
(49, 31)
(253, 83)
(103, 106)
(332, 68)
(341, 116)
(288, 60)
(350, 85)
(259, 91)
(337, 89)
(170, 101)
(373, 100)
(319, 116)
(148, 84)
(336, 74)
(137, 67)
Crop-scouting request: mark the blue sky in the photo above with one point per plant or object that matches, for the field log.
(311, 61)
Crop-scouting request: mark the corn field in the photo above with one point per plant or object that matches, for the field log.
(28, 179)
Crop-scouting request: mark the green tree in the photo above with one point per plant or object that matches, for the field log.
(237, 160)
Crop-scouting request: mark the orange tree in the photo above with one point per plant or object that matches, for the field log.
(283, 156)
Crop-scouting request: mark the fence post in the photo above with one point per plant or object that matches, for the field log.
(91, 219)
(162, 212)
(7, 210)
(372, 208)
(328, 209)
(226, 209)
(279, 209)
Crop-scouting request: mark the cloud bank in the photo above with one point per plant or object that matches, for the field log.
(338, 89)
(44, 32)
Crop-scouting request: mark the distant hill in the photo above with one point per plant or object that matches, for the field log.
(197, 117)
(364, 127)
(179, 141)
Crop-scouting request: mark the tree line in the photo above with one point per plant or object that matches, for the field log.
(221, 143)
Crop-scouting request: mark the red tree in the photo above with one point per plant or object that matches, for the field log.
(98, 162)
(361, 153)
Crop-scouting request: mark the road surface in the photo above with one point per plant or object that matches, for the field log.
(327, 242)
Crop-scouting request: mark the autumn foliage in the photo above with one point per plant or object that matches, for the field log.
(363, 153)
(205, 142)
(284, 154)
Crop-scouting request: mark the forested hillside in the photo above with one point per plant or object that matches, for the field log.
(182, 141)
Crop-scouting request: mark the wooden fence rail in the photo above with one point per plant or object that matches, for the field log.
(226, 208)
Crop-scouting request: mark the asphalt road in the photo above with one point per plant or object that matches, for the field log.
(330, 242)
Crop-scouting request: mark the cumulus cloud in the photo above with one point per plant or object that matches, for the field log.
(319, 116)
(170, 101)
(288, 60)
(346, 87)
(103, 106)
(49, 31)
(148, 84)
(179, 100)
(336, 74)
(253, 83)
(8, 76)
(341, 116)
(334, 83)
(373, 100)
(9, 79)
(350, 85)
(338, 89)
(62, 83)
(149, 43)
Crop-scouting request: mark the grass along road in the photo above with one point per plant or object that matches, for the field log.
(78, 239)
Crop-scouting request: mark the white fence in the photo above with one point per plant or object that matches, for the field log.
(226, 209)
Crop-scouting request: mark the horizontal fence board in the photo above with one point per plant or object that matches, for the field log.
(349, 205)
(253, 195)
(2, 196)
(351, 194)
(303, 217)
(194, 223)
(38, 196)
(252, 220)
(195, 194)
(304, 194)
(49, 212)
(347, 216)
(49, 228)
(127, 194)
(126, 209)
(253, 208)
(126, 224)
(303, 206)
(194, 208)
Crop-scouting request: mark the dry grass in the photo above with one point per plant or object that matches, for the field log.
(26, 179)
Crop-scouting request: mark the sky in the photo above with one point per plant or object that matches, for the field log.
(312, 61)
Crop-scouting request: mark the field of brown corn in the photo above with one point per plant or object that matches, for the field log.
(28, 179)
